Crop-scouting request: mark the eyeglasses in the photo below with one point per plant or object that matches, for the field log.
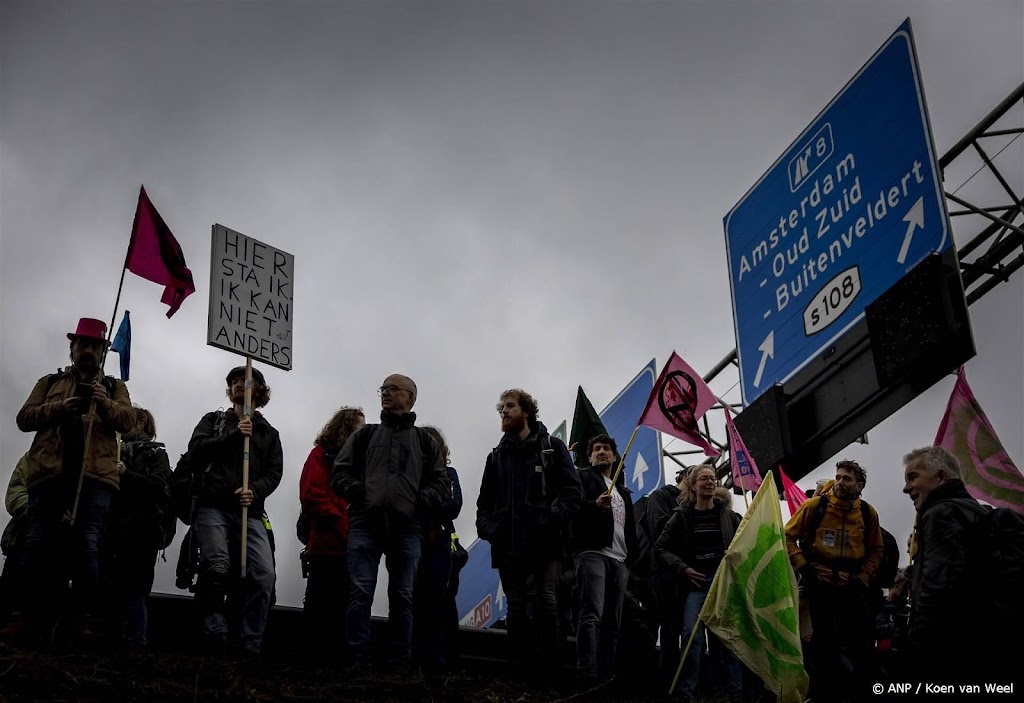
(389, 389)
(706, 479)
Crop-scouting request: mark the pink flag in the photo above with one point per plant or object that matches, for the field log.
(989, 473)
(679, 398)
(795, 497)
(154, 254)
(744, 470)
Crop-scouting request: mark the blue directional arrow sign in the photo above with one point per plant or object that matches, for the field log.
(846, 211)
(643, 467)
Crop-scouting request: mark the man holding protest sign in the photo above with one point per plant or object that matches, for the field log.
(216, 453)
(72, 470)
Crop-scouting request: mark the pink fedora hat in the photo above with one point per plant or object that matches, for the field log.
(89, 327)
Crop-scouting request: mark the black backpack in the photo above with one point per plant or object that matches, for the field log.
(999, 544)
(187, 482)
(890, 565)
(145, 455)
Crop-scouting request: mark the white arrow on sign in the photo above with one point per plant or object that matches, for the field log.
(499, 599)
(915, 216)
(767, 349)
(639, 469)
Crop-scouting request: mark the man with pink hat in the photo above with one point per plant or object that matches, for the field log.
(69, 411)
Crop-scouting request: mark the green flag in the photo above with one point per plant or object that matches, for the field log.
(586, 423)
(561, 433)
(752, 605)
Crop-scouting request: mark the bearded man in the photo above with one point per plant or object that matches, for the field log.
(69, 410)
(528, 495)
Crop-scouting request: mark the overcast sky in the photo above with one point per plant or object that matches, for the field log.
(480, 195)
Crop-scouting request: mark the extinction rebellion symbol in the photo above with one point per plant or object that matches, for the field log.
(677, 398)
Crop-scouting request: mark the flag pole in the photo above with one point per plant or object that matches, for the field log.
(120, 285)
(686, 650)
(92, 402)
(247, 413)
(622, 460)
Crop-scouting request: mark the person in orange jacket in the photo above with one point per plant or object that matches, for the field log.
(835, 544)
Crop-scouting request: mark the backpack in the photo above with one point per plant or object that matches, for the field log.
(186, 481)
(1000, 544)
(143, 455)
(890, 565)
(188, 563)
(303, 527)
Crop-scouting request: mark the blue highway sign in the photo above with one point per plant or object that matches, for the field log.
(851, 206)
(643, 468)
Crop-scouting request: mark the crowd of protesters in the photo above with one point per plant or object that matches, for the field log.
(93, 502)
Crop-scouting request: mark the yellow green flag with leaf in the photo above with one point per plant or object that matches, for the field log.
(752, 603)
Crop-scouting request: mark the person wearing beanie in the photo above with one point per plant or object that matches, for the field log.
(216, 448)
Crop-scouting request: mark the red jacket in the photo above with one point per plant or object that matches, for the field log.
(328, 535)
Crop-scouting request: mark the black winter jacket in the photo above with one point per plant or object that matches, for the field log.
(392, 475)
(223, 454)
(592, 527)
(526, 502)
(673, 549)
(947, 597)
(660, 505)
(144, 496)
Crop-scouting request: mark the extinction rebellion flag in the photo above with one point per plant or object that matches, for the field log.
(679, 399)
(965, 431)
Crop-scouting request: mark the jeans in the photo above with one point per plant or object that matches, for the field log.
(601, 586)
(401, 557)
(669, 600)
(842, 643)
(218, 533)
(726, 671)
(430, 603)
(325, 605)
(514, 581)
(42, 555)
(131, 580)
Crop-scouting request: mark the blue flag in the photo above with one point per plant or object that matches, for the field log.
(122, 344)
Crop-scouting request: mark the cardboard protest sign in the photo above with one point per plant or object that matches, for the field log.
(251, 289)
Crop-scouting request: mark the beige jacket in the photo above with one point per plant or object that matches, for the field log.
(41, 414)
